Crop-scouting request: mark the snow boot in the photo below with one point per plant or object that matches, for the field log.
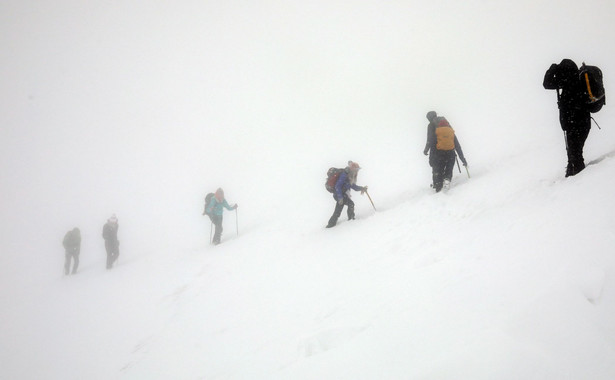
(447, 185)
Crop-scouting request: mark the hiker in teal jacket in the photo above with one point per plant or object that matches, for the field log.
(214, 210)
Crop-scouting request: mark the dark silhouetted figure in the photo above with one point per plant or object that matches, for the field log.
(574, 118)
(72, 248)
(112, 245)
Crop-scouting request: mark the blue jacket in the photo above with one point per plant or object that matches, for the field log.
(343, 185)
(217, 207)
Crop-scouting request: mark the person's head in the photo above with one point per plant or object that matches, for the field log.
(112, 219)
(431, 115)
(219, 194)
(567, 69)
(76, 231)
(353, 166)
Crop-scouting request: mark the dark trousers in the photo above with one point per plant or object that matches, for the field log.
(442, 164)
(217, 221)
(338, 210)
(71, 253)
(113, 252)
(576, 125)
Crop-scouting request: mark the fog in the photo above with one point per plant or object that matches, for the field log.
(141, 109)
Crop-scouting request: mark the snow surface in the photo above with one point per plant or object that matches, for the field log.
(141, 109)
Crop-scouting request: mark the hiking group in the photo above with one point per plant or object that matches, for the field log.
(580, 92)
(72, 245)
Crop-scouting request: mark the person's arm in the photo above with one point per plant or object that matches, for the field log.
(550, 82)
(340, 184)
(227, 206)
(429, 142)
(460, 152)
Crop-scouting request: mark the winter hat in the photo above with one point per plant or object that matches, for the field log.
(113, 219)
(353, 165)
(431, 115)
(568, 69)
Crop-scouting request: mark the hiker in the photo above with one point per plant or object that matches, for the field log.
(346, 180)
(112, 245)
(214, 207)
(574, 118)
(72, 247)
(441, 146)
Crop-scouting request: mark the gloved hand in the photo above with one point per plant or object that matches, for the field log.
(426, 152)
(464, 162)
(235, 207)
(340, 201)
(364, 190)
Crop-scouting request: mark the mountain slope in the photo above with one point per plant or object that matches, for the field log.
(499, 278)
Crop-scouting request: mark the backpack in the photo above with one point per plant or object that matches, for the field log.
(445, 135)
(593, 88)
(332, 175)
(207, 200)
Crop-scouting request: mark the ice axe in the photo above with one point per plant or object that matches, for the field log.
(459, 167)
(370, 200)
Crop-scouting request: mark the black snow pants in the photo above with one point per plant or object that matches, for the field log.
(113, 252)
(71, 253)
(338, 210)
(576, 125)
(217, 221)
(442, 164)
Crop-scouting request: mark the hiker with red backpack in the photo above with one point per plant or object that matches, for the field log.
(339, 182)
(441, 146)
(582, 92)
(215, 203)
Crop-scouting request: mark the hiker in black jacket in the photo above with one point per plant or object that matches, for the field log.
(574, 118)
(441, 146)
(72, 248)
(112, 245)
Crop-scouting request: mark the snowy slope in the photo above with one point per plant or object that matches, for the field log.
(141, 109)
(498, 278)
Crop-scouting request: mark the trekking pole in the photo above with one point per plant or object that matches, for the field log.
(598, 125)
(211, 225)
(370, 199)
(237, 221)
(467, 171)
(458, 166)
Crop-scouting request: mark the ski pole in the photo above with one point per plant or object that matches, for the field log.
(467, 171)
(237, 221)
(370, 199)
(458, 167)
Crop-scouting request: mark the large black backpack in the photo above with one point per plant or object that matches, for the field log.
(593, 88)
(332, 175)
(207, 200)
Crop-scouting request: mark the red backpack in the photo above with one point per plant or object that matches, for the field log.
(332, 175)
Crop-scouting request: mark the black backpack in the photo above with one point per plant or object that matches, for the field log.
(332, 175)
(207, 200)
(593, 88)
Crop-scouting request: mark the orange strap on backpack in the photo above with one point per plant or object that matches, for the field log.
(589, 90)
